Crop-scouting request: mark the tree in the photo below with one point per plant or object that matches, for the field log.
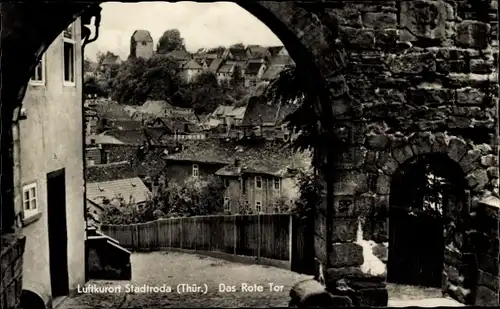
(311, 194)
(92, 87)
(205, 93)
(87, 65)
(238, 45)
(169, 41)
(138, 80)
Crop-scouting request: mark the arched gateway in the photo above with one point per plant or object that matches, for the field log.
(411, 79)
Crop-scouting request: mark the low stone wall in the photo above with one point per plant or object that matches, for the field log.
(11, 260)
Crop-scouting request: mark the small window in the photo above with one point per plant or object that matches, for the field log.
(277, 183)
(258, 206)
(227, 204)
(69, 62)
(30, 200)
(258, 182)
(242, 186)
(38, 77)
(144, 43)
(226, 182)
(196, 172)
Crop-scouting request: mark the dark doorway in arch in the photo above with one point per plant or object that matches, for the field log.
(424, 191)
(58, 238)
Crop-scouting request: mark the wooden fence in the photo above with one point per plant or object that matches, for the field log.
(277, 237)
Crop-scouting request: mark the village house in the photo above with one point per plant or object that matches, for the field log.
(263, 178)
(48, 190)
(114, 184)
(237, 53)
(191, 70)
(254, 71)
(91, 120)
(276, 66)
(226, 115)
(225, 72)
(110, 61)
(266, 120)
(112, 115)
(258, 52)
(180, 56)
(141, 45)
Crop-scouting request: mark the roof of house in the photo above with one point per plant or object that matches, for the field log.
(215, 65)
(253, 68)
(241, 63)
(274, 50)
(192, 65)
(239, 53)
(108, 109)
(226, 68)
(272, 72)
(132, 190)
(124, 124)
(264, 157)
(179, 55)
(102, 139)
(257, 51)
(107, 172)
(275, 160)
(111, 59)
(142, 36)
(228, 111)
(135, 136)
(155, 107)
(282, 60)
(150, 163)
(259, 112)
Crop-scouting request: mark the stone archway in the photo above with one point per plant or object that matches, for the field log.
(461, 264)
(426, 215)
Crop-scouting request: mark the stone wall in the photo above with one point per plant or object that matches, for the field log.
(422, 79)
(11, 259)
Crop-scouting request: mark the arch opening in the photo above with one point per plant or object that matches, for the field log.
(31, 300)
(428, 222)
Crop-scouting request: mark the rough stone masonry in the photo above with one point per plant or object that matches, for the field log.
(422, 78)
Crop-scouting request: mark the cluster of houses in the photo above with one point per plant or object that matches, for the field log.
(257, 64)
(133, 152)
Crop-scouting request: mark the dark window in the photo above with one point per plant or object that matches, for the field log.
(69, 62)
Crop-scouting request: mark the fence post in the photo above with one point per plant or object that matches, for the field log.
(259, 238)
(138, 245)
(290, 242)
(194, 229)
(170, 233)
(181, 234)
(235, 234)
(158, 242)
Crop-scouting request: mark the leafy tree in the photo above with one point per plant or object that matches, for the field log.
(197, 196)
(91, 86)
(169, 41)
(87, 65)
(204, 94)
(138, 80)
(238, 45)
(129, 213)
(311, 193)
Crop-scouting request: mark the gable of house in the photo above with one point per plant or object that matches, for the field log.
(253, 68)
(179, 55)
(256, 51)
(192, 65)
(239, 53)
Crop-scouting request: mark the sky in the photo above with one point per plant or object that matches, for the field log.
(202, 25)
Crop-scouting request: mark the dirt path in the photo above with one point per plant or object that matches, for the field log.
(162, 269)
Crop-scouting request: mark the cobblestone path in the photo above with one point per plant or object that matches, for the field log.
(162, 269)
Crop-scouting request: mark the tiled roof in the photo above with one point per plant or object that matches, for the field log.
(260, 112)
(274, 50)
(124, 124)
(179, 55)
(272, 72)
(110, 59)
(257, 51)
(154, 107)
(135, 136)
(132, 190)
(253, 68)
(111, 110)
(102, 139)
(239, 53)
(151, 162)
(226, 68)
(107, 172)
(215, 65)
(282, 60)
(142, 36)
